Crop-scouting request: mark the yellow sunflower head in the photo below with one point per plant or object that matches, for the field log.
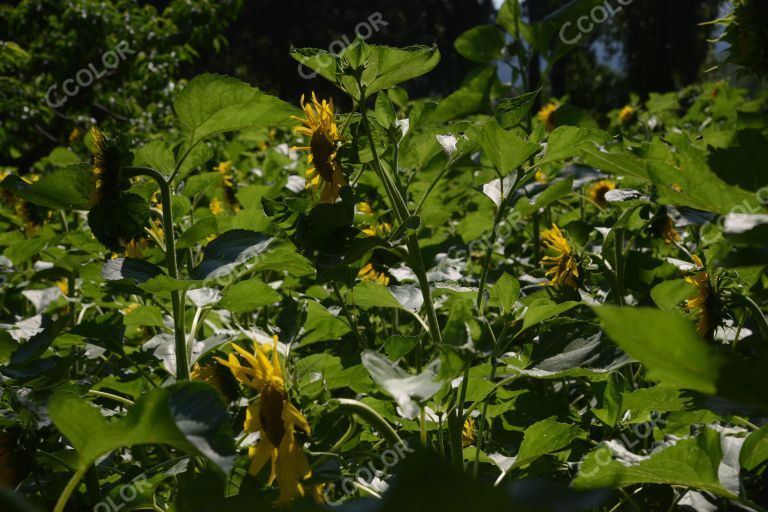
(563, 267)
(598, 190)
(381, 229)
(216, 207)
(626, 114)
(369, 273)
(276, 419)
(319, 125)
(541, 177)
(547, 115)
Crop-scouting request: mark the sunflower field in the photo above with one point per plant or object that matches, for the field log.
(214, 298)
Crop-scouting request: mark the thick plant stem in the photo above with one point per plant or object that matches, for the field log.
(177, 297)
(401, 212)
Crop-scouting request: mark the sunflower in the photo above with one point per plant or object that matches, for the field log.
(364, 208)
(626, 114)
(369, 273)
(216, 207)
(468, 433)
(275, 418)
(598, 190)
(108, 156)
(74, 135)
(218, 377)
(541, 177)
(564, 268)
(699, 303)
(547, 115)
(382, 230)
(320, 126)
(668, 231)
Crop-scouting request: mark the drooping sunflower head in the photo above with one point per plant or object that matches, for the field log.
(547, 115)
(33, 216)
(626, 114)
(319, 126)
(563, 267)
(370, 273)
(598, 190)
(109, 155)
(701, 303)
(668, 231)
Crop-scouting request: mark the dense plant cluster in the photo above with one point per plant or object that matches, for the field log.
(491, 300)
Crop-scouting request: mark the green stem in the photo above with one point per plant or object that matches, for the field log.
(370, 416)
(116, 398)
(177, 296)
(619, 255)
(351, 319)
(69, 489)
(401, 212)
(757, 313)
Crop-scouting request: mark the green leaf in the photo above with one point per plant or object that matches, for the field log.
(669, 294)
(471, 98)
(553, 193)
(368, 294)
(691, 462)
(68, 188)
(384, 66)
(511, 111)
(398, 346)
(543, 309)
(668, 345)
(139, 271)
(546, 436)
(188, 416)
(212, 104)
(504, 149)
(754, 452)
(230, 250)
(156, 154)
(321, 325)
(248, 295)
(505, 293)
(481, 44)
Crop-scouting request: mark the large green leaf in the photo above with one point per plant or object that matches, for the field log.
(691, 462)
(384, 66)
(212, 104)
(70, 188)
(248, 295)
(546, 436)
(188, 416)
(504, 149)
(511, 111)
(230, 250)
(668, 345)
(481, 44)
